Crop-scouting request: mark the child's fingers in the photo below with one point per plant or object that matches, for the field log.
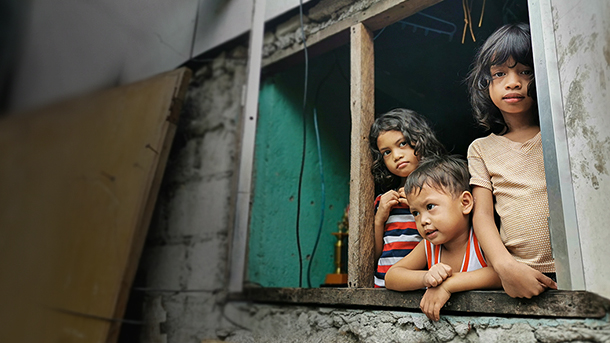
(547, 282)
(423, 306)
(436, 313)
(447, 268)
(432, 280)
(444, 271)
(431, 311)
(401, 192)
(439, 279)
(427, 281)
(442, 274)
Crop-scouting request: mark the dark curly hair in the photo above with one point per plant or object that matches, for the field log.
(417, 133)
(512, 40)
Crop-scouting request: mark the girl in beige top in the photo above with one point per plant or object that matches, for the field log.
(507, 166)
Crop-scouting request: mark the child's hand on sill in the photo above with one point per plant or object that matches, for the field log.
(522, 281)
(433, 300)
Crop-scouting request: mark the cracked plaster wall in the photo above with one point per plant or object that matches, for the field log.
(184, 265)
(582, 36)
(184, 261)
(313, 325)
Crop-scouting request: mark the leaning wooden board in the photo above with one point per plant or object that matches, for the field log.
(78, 183)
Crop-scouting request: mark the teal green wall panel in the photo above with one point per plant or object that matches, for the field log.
(273, 257)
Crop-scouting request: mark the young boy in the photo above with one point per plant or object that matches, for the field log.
(439, 195)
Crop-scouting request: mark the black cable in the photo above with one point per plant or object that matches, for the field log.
(323, 200)
(323, 190)
(304, 146)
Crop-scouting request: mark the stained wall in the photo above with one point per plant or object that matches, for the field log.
(582, 38)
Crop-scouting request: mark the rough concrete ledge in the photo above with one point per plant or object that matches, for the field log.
(558, 304)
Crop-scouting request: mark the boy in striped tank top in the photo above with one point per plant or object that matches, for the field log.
(449, 259)
(398, 141)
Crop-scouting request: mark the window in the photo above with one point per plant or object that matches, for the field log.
(376, 89)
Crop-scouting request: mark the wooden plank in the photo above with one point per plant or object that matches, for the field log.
(362, 188)
(180, 80)
(78, 183)
(558, 304)
(379, 15)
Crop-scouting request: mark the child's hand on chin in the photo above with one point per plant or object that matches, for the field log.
(437, 274)
(433, 300)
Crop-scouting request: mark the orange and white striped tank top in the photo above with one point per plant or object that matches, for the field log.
(473, 258)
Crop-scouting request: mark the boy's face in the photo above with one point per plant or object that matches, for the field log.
(440, 217)
(509, 86)
(398, 155)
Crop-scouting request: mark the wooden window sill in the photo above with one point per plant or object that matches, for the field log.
(562, 304)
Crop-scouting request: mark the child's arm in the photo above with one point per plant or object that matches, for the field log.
(518, 280)
(434, 298)
(410, 272)
(386, 202)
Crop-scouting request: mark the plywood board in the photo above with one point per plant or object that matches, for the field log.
(78, 182)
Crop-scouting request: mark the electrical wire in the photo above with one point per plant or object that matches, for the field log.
(380, 32)
(322, 184)
(323, 196)
(304, 146)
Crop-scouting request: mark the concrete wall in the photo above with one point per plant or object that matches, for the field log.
(300, 324)
(582, 37)
(187, 245)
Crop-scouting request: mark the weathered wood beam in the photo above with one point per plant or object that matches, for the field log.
(557, 304)
(362, 188)
(379, 15)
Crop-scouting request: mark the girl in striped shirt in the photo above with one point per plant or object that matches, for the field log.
(399, 140)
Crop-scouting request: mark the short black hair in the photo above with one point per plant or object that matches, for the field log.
(511, 40)
(448, 173)
(416, 131)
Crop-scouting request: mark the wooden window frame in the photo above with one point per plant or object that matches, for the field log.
(358, 31)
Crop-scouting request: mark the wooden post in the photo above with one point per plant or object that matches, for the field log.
(361, 231)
